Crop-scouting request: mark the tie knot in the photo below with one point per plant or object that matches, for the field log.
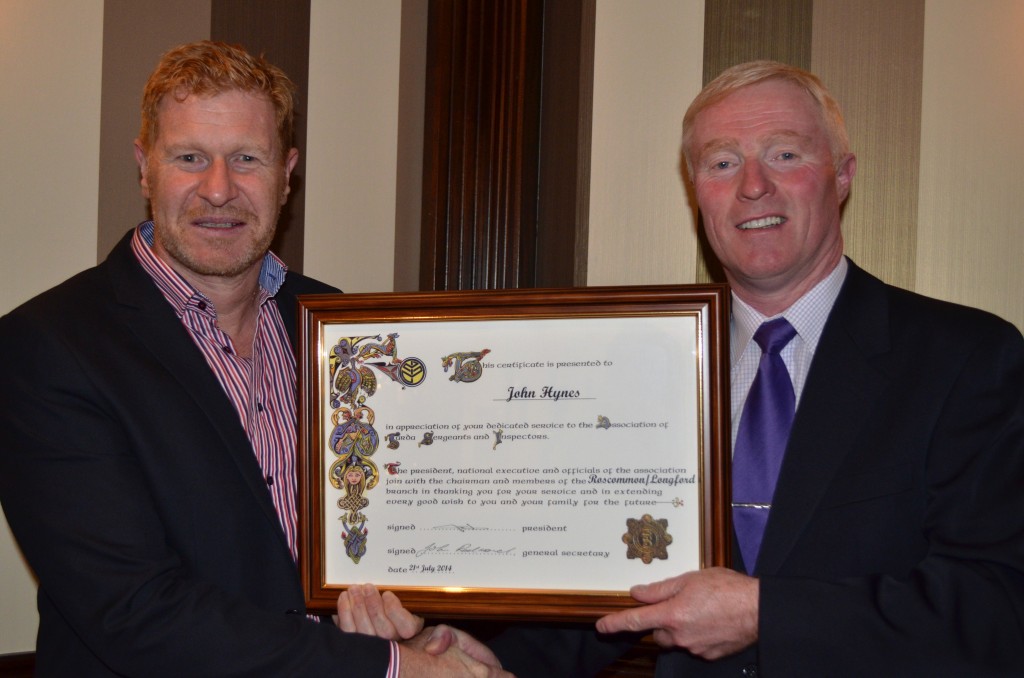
(773, 335)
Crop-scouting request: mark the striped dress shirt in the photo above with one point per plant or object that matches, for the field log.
(261, 388)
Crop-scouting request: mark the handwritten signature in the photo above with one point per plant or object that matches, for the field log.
(446, 549)
(461, 528)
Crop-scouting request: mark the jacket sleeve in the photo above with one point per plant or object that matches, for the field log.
(117, 594)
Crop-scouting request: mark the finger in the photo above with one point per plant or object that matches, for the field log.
(355, 612)
(368, 612)
(475, 649)
(420, 640)
(440, 639)
(641, 618)
(472, 666)
(406, 623)
(345, 621)
(624, 620)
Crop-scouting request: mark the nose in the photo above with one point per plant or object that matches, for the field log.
(217, 186)
(754, 181)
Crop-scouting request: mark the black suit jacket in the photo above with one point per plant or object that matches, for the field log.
(135, 495)
(895, 546)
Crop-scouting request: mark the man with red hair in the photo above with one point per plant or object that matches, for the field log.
(147, 416)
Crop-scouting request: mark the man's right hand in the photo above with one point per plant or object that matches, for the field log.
(436, 651)
(438, 639)
(417, 662)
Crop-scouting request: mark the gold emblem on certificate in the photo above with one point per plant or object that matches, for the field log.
(647, 539)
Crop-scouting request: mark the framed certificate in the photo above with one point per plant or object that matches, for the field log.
(512, 454)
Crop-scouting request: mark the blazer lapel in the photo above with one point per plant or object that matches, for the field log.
(150, 318)
(837, 401)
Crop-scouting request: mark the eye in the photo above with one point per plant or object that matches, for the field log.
(188, 158)
(787, 155)
(245, 162)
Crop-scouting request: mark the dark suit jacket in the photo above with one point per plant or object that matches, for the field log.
(895, 545)
(135, 495)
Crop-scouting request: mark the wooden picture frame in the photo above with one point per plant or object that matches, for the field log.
(517, 454)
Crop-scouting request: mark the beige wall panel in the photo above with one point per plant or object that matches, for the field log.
(868, 53)
(970, 248)
(409, 173)
(352, 132)
(647, 68)
(737, 31)
(50, 66)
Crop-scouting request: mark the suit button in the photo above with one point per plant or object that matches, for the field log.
(749, 671)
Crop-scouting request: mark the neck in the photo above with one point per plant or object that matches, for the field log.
(236, 302)
(772, 299)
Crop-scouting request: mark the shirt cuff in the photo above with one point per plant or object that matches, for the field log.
(395, 663)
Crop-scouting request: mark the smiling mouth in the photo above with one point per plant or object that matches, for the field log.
(763, 222)
(217, 224)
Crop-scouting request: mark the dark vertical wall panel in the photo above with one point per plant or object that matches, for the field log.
(507, 143)
(135, 34)
(481, 130)
(280, 31)
(743, 30)
(566, 125)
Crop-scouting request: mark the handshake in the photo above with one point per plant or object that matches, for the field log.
(711, 613)
(433, 651)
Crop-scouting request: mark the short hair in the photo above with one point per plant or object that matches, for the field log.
(756, 72)
(209, 68)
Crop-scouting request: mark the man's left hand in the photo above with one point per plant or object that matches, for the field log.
(712, 613)
(362, 609)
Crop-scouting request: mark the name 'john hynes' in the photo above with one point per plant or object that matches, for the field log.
(547, 392)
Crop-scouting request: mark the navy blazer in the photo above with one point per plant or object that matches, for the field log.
(134, 493)
(895, 545)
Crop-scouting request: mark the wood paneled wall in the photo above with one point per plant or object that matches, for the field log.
(507, 152)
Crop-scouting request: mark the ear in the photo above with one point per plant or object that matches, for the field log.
(845, 170)
(143, 162)
(289, 164)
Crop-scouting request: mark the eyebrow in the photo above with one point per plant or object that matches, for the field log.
(715, 145)
(257, 150)
(728, 143)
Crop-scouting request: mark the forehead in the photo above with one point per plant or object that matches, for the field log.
(768, 108)
(231, 111)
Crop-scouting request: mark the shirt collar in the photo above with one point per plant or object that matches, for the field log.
(807, 315)
(178, 291)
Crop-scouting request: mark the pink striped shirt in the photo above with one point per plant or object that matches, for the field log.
(261, 388)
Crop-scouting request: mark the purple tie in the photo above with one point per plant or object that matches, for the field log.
(761, 439)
